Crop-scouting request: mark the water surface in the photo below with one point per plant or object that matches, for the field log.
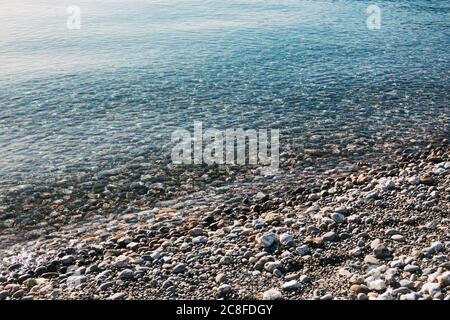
(114, 90)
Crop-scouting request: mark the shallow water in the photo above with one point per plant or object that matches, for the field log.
(117, 88)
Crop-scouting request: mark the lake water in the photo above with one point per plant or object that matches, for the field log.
(136, 70)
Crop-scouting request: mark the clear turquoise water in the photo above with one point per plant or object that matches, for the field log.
(115, 89)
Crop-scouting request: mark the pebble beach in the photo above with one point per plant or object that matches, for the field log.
(377, 231)
(93, 207)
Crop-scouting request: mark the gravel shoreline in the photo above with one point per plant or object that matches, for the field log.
(376, 230)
